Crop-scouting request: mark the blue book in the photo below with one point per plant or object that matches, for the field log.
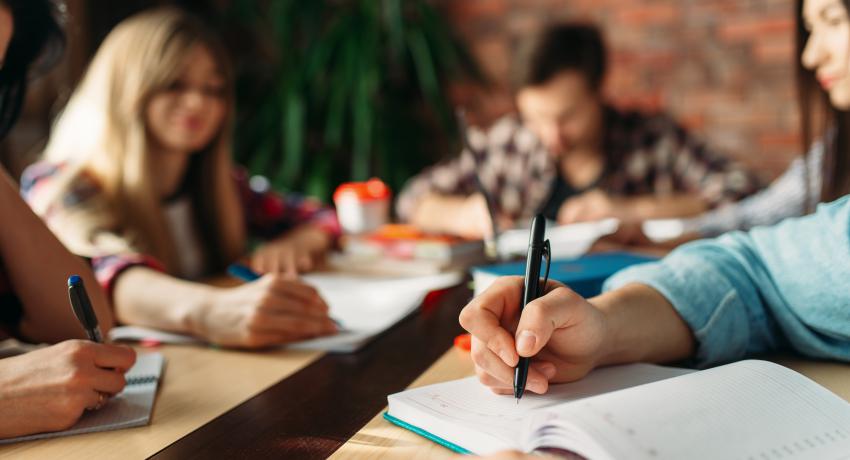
(584, 275)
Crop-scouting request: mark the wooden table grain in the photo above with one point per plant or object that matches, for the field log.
(199, 384)
(315, 411)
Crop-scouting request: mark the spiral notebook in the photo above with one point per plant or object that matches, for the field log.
(132, 407)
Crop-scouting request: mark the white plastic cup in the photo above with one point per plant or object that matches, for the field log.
(362, 207)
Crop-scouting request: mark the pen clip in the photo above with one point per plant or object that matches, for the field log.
(547, 253)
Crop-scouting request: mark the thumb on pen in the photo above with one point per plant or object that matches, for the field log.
(541, 318)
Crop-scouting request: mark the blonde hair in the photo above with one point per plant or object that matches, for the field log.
(102, 132)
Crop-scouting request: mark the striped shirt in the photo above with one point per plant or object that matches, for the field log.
(785, 197)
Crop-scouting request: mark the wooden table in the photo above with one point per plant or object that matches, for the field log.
(380, 439)
(281, 404)
(199, 384)
(315, 411)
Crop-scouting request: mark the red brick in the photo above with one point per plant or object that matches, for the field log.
(746, 30)
(648, 14)
(724, 67)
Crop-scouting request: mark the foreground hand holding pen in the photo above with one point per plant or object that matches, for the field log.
(81, 305)
(538, 248)
(562, 334)
(527, 333)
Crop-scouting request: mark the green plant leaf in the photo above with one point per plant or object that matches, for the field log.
(293, 136)
(358, 89)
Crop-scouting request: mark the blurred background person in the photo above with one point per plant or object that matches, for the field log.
(570, 155)
(138, 177)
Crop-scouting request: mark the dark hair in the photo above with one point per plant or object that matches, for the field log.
(820, 119)
(36, 35)
(576, 47)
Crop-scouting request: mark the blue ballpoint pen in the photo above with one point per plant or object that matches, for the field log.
(242, 272)
(81, 305)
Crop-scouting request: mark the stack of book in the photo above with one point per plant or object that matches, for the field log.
(405, 250)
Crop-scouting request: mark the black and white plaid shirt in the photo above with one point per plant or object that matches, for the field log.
(647, 155)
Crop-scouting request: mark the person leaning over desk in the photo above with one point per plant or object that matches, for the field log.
(712, 301)
(47, 389)
(138, 176)
(820, 175)
(571, 156)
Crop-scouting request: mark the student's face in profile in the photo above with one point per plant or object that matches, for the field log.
(564, 112)
(827, 52)
(6, 26)
(185, 116)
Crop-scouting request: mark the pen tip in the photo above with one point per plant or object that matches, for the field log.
(74, 280)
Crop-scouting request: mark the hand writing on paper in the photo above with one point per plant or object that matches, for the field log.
(48, 389)
(562, 331)
(298, 251)
(474, 219)
(270, 311)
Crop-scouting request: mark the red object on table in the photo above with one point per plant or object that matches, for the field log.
(464, 342)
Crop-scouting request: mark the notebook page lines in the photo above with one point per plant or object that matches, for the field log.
(755, 411)
(467, 402)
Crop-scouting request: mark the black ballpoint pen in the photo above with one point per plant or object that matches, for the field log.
(83, 310)
(532, 287)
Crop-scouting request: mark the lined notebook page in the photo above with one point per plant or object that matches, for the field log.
(467, 414)
(750, 410)
(132, 407)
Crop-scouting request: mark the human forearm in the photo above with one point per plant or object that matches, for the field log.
(465, 216)
(269, 311)
(642, 325)
(651, 207)
(784, 197)
(300, 250)
(438, 213)
(146, 297)
(38, 266)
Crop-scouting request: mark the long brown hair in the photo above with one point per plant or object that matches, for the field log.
(820, 120)
(102, 132)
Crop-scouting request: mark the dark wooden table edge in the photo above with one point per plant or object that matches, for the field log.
(352, 387)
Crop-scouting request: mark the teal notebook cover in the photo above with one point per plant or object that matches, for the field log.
(425, 434)
(584, 275)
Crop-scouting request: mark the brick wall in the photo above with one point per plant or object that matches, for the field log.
(725, 68)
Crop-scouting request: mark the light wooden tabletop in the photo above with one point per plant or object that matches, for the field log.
(199, 384)
(380, 439)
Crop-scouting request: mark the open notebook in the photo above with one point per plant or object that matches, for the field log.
(746, 410)
(363, 306)
(132, 407)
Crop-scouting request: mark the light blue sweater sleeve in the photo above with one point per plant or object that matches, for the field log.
(786, 286)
